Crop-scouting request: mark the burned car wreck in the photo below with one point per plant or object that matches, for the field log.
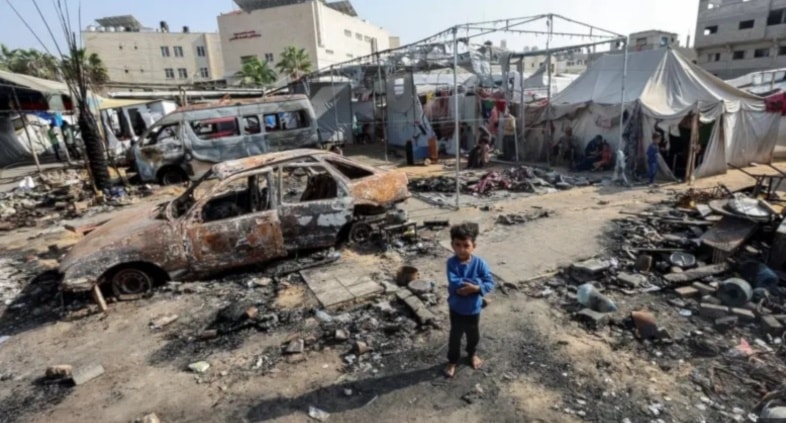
(242, 212)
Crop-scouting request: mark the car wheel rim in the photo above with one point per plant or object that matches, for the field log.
(172, 177)
(360, 233)
(130, 282)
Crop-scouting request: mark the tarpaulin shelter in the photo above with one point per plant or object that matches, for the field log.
(664, 88)
(332, 102)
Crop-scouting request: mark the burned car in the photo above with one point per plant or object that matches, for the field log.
(241, 213)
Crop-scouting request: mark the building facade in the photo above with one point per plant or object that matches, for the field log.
(736, 37)
(650, 40)
(330, 33)
(134, 55)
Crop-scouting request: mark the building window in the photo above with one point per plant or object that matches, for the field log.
(747, 24)
(120, 46)
(776, 17)
(348, 33)
(782, 51)
(201, 51)
(182, 73)
(269, 57)
(170, 73)
(350, 55)
(359, 36)
(713, 57)
(761, 52)
(178, 51)
(246, 59)
(711, 30)
(165, 51)
(367, 39)
(204, 72)
(328, 51)
(738, 55)
(641, 41)
(664, 41)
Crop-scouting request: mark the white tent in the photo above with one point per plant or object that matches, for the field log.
(662, 88)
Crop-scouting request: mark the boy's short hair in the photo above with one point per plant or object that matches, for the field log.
(464, 231)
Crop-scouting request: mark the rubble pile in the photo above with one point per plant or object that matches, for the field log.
(691, 281)
(59, 194)
(523, 179)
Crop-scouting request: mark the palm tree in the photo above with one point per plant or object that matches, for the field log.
(256, 73)
(29, 62)
(294, 63)
(95, 73)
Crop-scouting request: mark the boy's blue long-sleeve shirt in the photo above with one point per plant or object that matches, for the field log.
(476, 272)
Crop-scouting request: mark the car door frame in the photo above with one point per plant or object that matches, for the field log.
(314, 224)
(236, 241)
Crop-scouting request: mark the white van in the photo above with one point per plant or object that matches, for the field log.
(189, 141)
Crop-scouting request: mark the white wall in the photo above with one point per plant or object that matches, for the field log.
(136, 57)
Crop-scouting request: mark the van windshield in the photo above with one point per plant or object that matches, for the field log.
(160, 134)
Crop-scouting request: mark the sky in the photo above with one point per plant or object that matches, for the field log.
(412, 20)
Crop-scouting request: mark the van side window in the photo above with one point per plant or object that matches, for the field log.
(285, 121)
(214, 128)
(251, 125)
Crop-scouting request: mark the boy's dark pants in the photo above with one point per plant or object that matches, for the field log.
(460, 325)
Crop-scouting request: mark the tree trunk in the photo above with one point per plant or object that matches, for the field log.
(94, 148)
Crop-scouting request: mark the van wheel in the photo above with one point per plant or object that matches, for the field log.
(172, 176)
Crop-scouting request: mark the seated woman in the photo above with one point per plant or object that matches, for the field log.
(605, 161)
(591, 154)
(479, 155)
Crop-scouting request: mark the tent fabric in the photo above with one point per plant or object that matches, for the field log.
(664, 87)
(15, 145)
(41, 85)
(332, 104)
(406, 120)
(117, 103)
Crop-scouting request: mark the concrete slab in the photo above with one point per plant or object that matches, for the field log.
(342, 283)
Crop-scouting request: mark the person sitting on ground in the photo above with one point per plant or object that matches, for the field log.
(591, 154)
(469, 281)
(479, 155)
(605, 161)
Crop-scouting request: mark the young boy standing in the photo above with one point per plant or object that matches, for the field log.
(469, 280)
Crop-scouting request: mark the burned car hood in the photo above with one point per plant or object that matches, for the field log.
(382, 189)
(118, 232)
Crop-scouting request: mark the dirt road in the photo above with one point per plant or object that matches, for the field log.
(541, 366)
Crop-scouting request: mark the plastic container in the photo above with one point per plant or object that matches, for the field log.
(590, 297)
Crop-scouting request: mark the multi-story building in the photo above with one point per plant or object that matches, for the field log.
(330, 33)
(650, 40)
(138, 56)
(736, 37)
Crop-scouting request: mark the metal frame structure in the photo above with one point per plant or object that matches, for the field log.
(480, 29)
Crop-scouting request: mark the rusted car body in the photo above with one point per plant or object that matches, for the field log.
(242, 212)
(189, 141)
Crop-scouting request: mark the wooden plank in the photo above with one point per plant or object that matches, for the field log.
(696, 274)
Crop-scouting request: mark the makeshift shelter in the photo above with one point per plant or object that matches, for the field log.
(662, 91)
(332, 102)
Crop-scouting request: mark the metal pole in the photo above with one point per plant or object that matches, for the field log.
(548, 88)
(384, 113)
(522, 109)
(622, 98)
(374, 102)
(456, 116)
(27, 132)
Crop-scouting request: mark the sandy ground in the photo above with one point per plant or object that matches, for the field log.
(539, 362)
